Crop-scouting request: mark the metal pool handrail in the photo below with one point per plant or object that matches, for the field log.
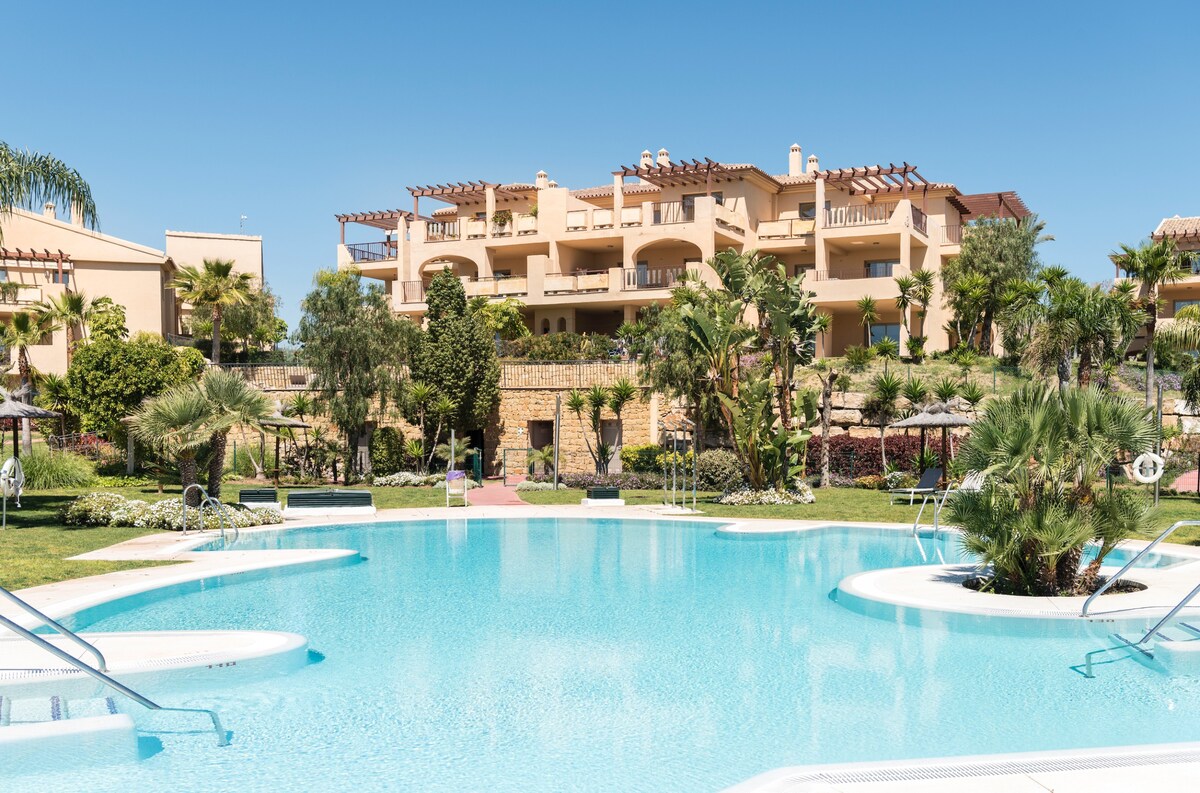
(66, 633)
(1113, 579)
(1170, 615)
(120, 688)
(207, 500)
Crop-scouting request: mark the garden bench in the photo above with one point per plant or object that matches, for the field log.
(603, 497)
(314, 503)
(259, 497)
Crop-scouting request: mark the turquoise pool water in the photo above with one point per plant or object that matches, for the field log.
(608, 655)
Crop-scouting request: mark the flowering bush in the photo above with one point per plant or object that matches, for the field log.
(641, 458)
(898, 479)
(113, 509)
(529, 485)
(407, 479)
(471, 483)
(744, 498)
(870, 482)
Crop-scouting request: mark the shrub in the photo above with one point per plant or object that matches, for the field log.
(851, 456)
(666, 459)
(857, 357)
(387, 451)
(561, 347)
(719, 469)
(887, 348)
(49, 471)
(744, 498)
(946, 389)
(870, 482)
(528, 485)
(897, 479)
(627, 481)
(641, 458)
(113, 509)
(407, 479)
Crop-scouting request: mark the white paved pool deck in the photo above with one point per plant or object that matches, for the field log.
(1169, 767)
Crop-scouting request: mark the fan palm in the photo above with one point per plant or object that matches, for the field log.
(73, 310)
(52, 392)
(1044, 452)
(543, 457)
(28, 179)
(232, 401)
(179, 422)
(216, 286)
(1152, 265)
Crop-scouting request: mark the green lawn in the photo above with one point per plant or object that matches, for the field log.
(35, 547)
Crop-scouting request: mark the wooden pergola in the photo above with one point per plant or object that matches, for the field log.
(459, 193)
(876, 179)
(382, 219)
(685, 173)
(1184, 236)
(44, 257)
(1005, 204)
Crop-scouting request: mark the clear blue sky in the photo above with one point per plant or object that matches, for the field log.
(188, 115)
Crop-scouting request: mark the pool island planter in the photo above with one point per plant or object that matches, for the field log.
(935, 595)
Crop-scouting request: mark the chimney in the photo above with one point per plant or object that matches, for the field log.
(48, 210)
(813, 164)
(647, 159)
(795, 163)
(76, 216)
(552, 183)
(542, 180)
(664, 157)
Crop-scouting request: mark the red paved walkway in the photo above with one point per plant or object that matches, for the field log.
(493, 493)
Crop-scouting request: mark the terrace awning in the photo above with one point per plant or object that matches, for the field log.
(1005, 204)
(680, 174)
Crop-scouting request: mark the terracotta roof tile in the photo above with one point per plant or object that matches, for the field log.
(1177, 227)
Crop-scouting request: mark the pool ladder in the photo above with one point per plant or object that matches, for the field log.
(1170, 615)
(937, 511)
(208, 501)
(98, 672)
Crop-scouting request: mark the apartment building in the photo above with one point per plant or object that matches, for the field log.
(585, 260)
(47, 255)
(1186, 233)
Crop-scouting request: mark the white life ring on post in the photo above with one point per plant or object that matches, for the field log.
(1148, 468)
(12, 479)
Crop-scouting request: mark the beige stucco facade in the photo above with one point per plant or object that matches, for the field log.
(48, 254)
(586, 260)
(191, 248)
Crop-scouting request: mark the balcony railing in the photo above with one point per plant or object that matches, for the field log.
(440, 231)
(952, 235)
(578, 281)
(859, 215)
(585, 219)
(412, 291)
(372, 251)
(631, 216)
(859, 272)
(476, 228)
(673, 212)
(497, 286)
(920, 221)
(786, 229)
(654, 277)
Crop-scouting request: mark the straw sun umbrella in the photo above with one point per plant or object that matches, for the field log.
(15, 410)
(935, 416)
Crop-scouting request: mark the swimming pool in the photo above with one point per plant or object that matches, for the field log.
(545, 655)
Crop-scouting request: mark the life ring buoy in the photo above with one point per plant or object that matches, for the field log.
(1148, 468)
(12, 479)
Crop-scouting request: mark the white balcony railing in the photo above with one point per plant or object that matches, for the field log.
(498, 286)
(859, 215)
(440, 231)
(579, 281)
(631, 216)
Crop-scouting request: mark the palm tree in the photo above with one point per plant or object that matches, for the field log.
(216, 286)
(620, 394)
(73, 310)
(870, 315)
(232, 401)
(881, 406)
(28, 179)
(1152, 264)
(1043, 451)
(178, 421)
(543, 457)
(52, 390)
(23, 331)
(301, 405)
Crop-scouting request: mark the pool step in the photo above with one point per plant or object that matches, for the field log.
(1174, 648)
(76, 733)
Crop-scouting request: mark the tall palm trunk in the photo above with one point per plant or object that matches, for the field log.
(216, 339)
(26, 372)
(985, 334)
(187, 477)
(1150, 326)
(1085, 367)
(216, 464)
(826, 418)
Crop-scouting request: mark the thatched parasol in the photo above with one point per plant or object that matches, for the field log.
(12, 409)
(937, 416)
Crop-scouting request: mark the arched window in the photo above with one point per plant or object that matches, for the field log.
(545, 326)
(562, 324)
